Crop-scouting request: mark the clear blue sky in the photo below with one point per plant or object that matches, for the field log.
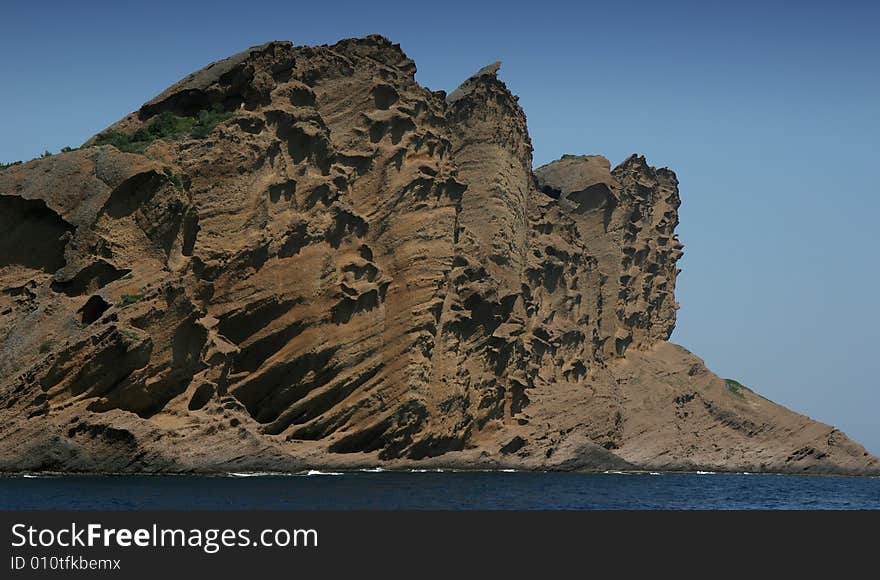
(769, 114)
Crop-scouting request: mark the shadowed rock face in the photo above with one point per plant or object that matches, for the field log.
(351, 269)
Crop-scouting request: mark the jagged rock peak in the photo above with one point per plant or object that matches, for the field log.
(487, 73)
(576, 173)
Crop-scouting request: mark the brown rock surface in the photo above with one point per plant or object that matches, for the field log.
(351, 270)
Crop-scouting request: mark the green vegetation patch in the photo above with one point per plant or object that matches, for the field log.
(736, 388)
(129, 335)
(174, 178)
(129, 299)
(166, 125)
(8, 165)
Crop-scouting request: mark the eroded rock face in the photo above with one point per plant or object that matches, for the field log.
(352, 269)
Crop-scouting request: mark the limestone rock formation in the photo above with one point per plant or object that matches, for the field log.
(298, 257)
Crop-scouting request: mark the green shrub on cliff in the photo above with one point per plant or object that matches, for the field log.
(166, 125)
(736, 388)
(174, 178)
(129, 299)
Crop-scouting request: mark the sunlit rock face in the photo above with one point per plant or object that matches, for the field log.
(299, 257)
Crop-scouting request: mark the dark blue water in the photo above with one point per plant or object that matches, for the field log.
(443, 491)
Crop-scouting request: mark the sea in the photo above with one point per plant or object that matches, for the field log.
(429, 490)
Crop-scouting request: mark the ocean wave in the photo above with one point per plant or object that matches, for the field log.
(317, 472)
(705, 473)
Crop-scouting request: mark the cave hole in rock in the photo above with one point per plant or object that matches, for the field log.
(93, 309)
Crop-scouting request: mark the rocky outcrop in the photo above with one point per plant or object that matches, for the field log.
(299, 257)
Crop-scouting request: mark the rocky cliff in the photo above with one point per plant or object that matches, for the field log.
(298, 257)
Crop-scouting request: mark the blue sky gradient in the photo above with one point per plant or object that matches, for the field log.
(769, 113)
